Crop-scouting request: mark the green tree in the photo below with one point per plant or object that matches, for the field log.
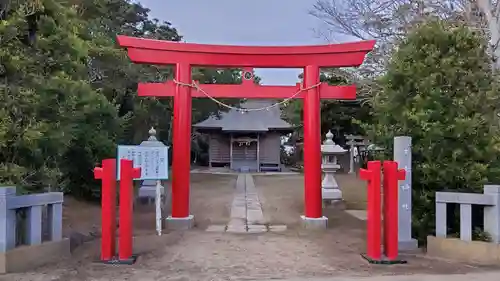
(337, 116)
(116, 77)
(48, 101)
(70, 94)
(439, 89)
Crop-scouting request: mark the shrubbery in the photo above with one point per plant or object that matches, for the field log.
(440, 89)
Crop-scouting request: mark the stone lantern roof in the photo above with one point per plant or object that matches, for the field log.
(330, 147)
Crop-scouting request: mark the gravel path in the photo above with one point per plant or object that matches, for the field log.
(487, 276)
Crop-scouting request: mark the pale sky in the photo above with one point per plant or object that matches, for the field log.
(240, 22)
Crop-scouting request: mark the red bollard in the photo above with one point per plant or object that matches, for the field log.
(127, 174)
(107, 173)
(373, 238)
(391, 177)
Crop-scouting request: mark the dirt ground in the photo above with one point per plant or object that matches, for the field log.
(282, 196)
(353, 191)
(200, 255)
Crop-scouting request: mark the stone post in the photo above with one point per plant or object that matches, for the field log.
(351, 157)
(402, 155)
(7, 220)
(55, 221)
(492, 213)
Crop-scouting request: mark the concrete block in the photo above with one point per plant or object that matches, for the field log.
(334, 204)
(238, 213)
(466, 222)
(240, 183)
(478, 252)
(255, 217)
(408, 245)
(492, 213)
(237, 229)
(237, 223)
(277, 228)
(257, 228)
(249, 183)
(55, 221)
(179, 223)
(34, 229)
(314, 223)
(441, 219)
(7, 220)
(257, 231)
(40, 199)
(331, 194)
(216, 228)
(465, 198)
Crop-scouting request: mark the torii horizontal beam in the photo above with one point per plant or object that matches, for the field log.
(247, 90)
(149, 51)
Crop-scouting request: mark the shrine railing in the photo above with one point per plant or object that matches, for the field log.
(32, 231)
(490, 199)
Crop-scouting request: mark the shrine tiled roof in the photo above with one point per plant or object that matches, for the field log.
(250, 121)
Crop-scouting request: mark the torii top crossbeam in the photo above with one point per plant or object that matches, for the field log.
(186, 55)
(148, 51)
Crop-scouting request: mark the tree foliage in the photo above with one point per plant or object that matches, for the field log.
(47, 99)
(440, 90)
(70, 94)
(337, 116)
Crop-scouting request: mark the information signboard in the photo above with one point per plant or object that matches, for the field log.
(153, 161)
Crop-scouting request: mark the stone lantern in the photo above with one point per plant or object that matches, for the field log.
(329, 187)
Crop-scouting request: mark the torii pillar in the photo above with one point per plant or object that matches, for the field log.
(187, 55)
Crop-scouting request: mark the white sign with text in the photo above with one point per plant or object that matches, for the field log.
(153, 161)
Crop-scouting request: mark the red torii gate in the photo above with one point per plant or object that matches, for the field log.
(186, 55)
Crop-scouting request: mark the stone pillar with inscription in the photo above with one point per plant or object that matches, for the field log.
(402, 155)
(147, 191)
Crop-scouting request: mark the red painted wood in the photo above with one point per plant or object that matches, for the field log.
(152, 44)
(251, 90)
(387, 208)
(107, 174)
(182, 143)
(374, 219)
(312, 142)
(127, 175)
(148, 51)
(392, 175)
(145, 56)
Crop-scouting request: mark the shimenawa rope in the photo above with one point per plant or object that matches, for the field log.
(243, 110)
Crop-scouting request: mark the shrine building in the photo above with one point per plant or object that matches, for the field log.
(246, 140)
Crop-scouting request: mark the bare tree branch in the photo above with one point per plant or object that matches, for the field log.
(388, 21)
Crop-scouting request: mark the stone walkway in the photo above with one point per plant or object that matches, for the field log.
(246, 211)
